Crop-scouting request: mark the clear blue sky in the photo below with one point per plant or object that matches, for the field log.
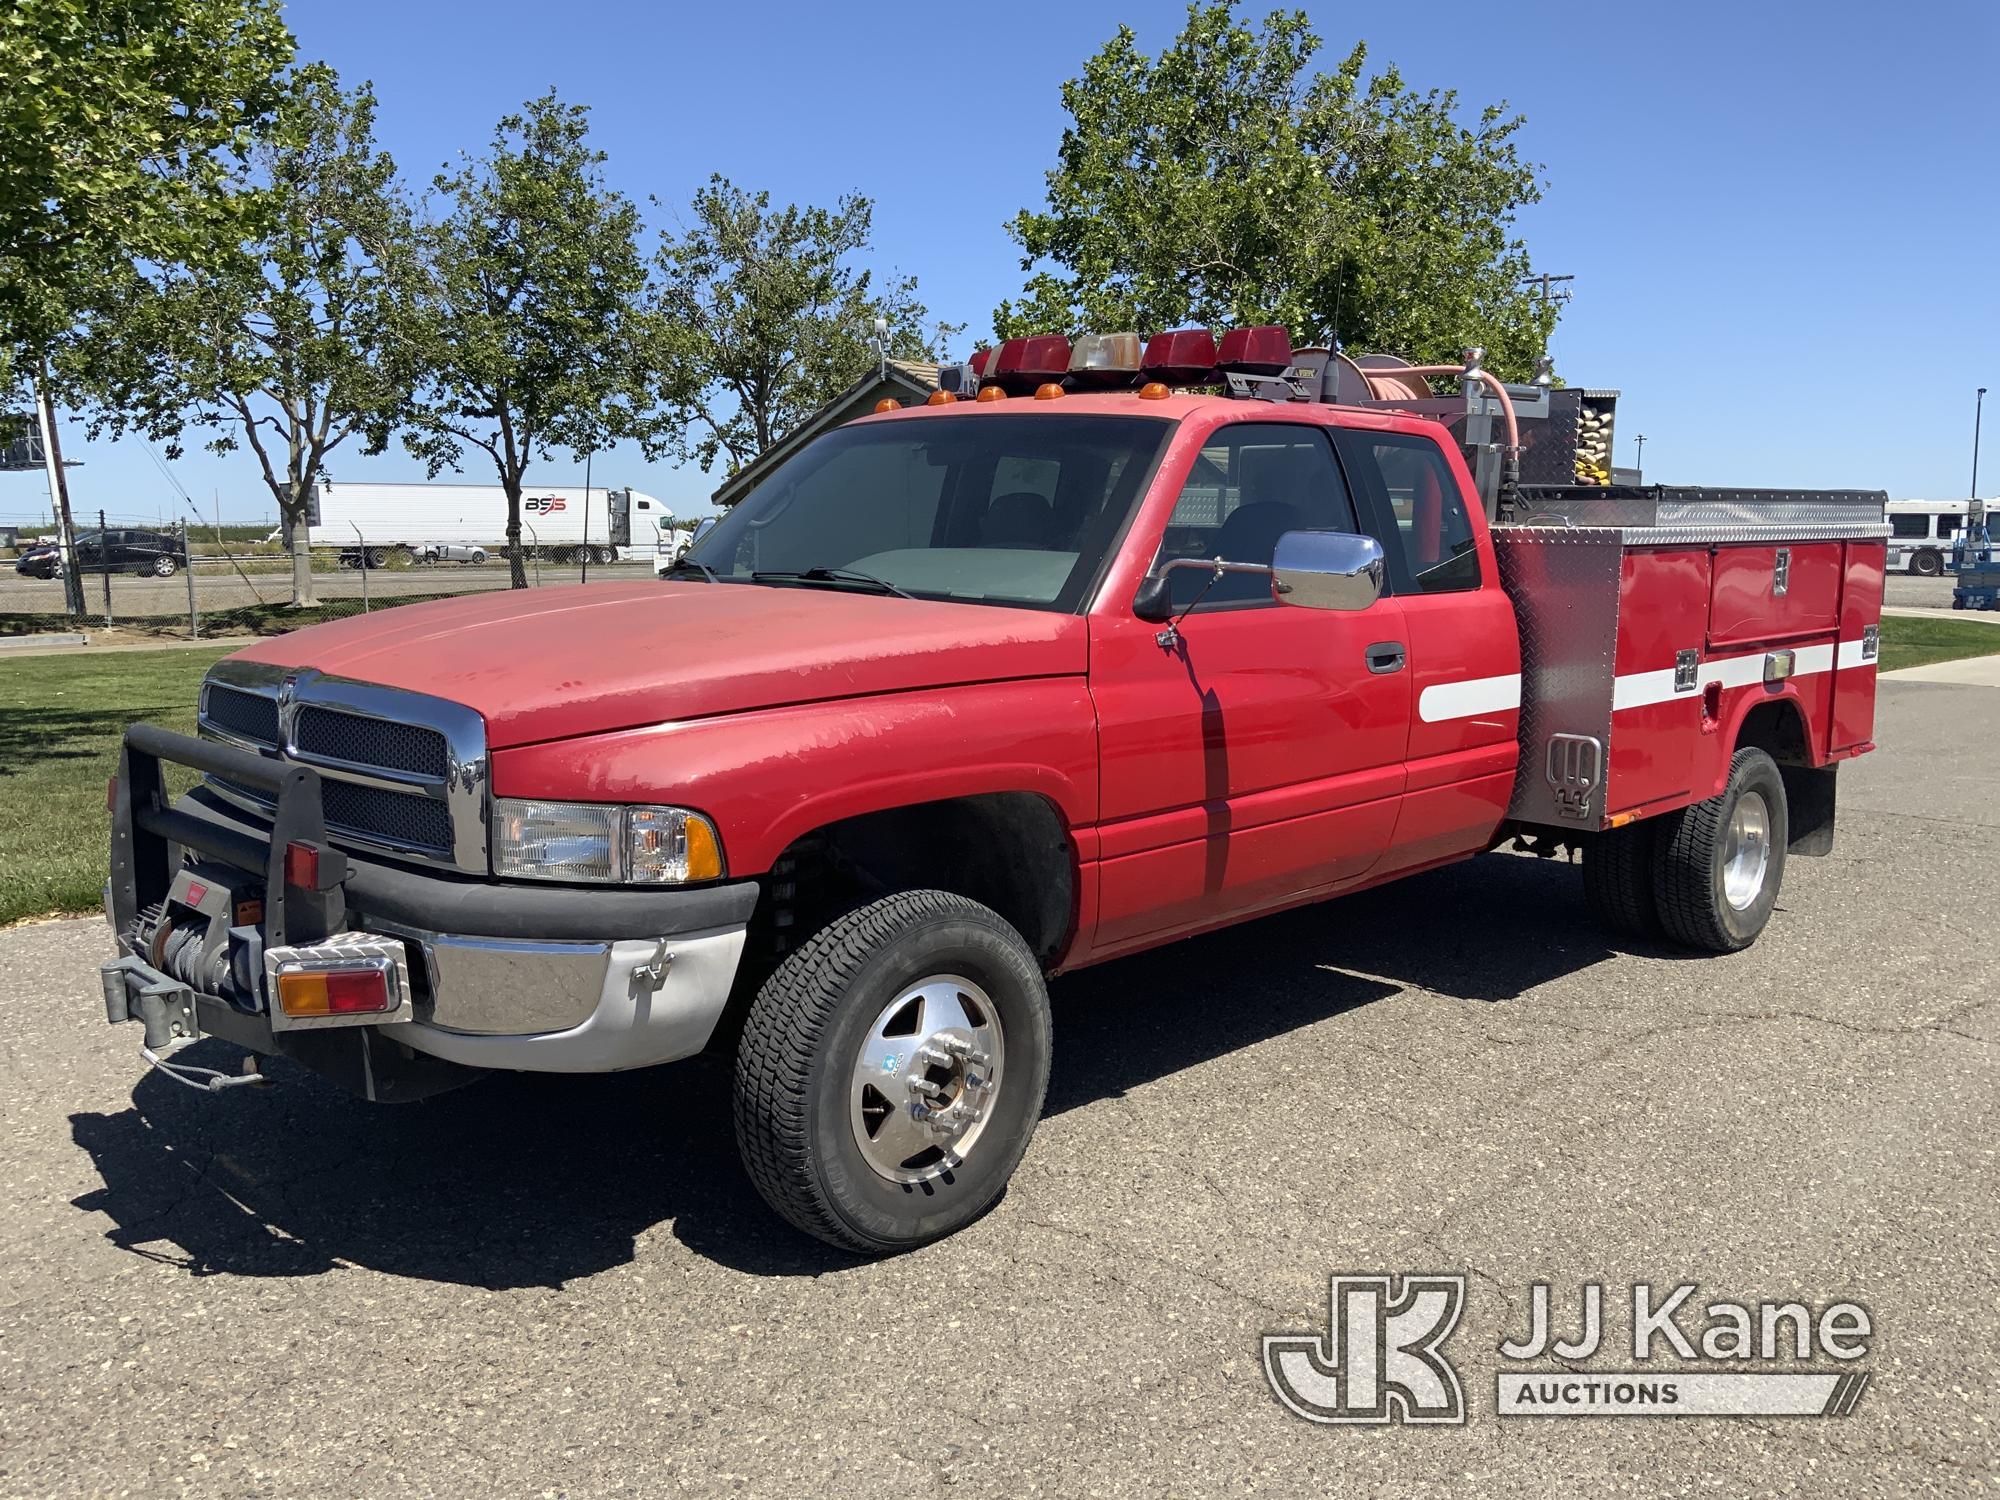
(1783, 220)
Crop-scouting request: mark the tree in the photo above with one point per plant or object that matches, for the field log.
(529, 333)
(288, 345)
(1223, 182)
(117, 118)
(769, 315)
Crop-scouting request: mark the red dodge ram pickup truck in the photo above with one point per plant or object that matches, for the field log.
(958, 698)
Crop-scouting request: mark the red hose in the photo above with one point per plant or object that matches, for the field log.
(1499, 389)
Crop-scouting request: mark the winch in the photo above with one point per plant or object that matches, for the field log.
(205, 935)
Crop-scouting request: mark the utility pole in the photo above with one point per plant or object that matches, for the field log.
(1639, 463)
(59, 494)
(1550, 291)
(585, 577)
(1978, 410)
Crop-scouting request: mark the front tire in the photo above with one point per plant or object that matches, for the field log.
(1718, 865)
(165, 567)
(1927, 564)
(918, 1021)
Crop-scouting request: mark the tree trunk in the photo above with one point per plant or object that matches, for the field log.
(517, 567)
(292, 515)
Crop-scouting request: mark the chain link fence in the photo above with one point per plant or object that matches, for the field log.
(143, 580)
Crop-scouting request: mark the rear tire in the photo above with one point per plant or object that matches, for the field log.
(1618, 880)
(815, 1106)
(1927, 564)
(1717, 865)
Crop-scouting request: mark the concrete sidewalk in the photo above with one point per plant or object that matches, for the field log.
(1967, 671)
(1913, 612)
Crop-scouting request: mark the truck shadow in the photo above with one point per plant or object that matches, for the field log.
(536, 1181)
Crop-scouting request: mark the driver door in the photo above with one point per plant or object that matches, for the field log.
(1258, 759)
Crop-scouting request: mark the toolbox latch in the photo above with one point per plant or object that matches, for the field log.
(1687, 667)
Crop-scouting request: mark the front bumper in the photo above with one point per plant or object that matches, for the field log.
(544, 978)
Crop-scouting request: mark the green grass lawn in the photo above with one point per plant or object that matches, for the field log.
(61, 716)
(1912, 641)
(60, 722)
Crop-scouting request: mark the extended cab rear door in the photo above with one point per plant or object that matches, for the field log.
(1257, 756)
(1464, 649)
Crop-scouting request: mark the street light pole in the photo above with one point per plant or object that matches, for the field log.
(1978, 410)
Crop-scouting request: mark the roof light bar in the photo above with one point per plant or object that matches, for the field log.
(1104, 361)
(1186, 356)
(1255, 351)
(1021, 365)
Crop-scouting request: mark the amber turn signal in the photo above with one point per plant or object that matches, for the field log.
(333, 992)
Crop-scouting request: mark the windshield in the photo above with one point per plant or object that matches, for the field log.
(1007, 509)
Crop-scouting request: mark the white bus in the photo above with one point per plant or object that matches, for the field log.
(1921, 532)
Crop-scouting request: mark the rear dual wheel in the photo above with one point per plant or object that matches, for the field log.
(891, 1072)
(1706, 876)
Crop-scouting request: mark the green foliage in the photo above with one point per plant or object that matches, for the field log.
(118, 119)
(1224, 182)
(288, 343)
(767, 315)
(528, 334)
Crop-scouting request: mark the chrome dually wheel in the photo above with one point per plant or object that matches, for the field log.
(1746, 851)
(925, 1078)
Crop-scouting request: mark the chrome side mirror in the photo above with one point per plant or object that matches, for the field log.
(1327, 570)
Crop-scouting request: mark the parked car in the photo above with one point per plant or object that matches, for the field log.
(443, 552)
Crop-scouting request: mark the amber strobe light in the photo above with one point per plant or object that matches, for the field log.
(887, 403)
(333, 992)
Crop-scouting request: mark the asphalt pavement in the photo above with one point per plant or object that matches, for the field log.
(567, 1288)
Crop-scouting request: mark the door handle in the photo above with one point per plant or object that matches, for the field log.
(1385, 656)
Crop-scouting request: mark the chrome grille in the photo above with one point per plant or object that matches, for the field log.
(400, 772)
(325, 733)
(249, 716)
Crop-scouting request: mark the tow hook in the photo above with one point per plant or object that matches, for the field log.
(650, 975)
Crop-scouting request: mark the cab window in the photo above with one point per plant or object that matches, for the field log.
(1432, 546)
(1251, 483)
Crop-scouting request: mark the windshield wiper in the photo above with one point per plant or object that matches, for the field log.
(707, 573)
(832, 575)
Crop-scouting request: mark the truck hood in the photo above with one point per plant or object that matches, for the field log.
(557, 663)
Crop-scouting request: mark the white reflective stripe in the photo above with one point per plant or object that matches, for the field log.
(1638, 689)
(1643, 689)
(1475, 695)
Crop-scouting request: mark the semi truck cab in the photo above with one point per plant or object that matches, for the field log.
(1081, 657)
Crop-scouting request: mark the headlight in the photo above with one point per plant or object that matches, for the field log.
(603, 842)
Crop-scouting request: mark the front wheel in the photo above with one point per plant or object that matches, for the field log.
(1717, 865)
(165, 567)
(1927, 564)
(891, 1072)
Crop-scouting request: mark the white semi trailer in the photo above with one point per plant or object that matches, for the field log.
(563, 523)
